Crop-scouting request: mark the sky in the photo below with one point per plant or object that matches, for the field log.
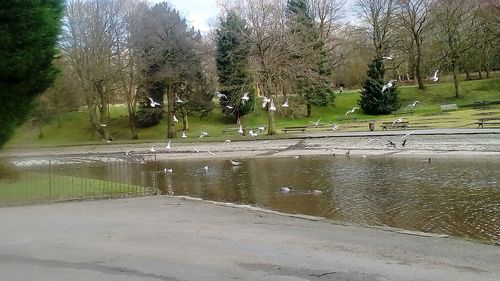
(203, 13)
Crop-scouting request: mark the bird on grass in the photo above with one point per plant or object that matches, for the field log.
(351, 111)
(388, 85)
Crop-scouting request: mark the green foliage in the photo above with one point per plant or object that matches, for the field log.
(28, 35)
(233, 49)
(373, 100)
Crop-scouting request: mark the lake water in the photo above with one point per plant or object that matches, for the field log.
(456, 196)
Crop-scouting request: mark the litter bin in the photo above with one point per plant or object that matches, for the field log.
(371, 125)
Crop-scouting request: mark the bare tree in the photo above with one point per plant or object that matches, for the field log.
(456, 22)
(326, 13)
(90, 48)
(414, 16)
(380, 16)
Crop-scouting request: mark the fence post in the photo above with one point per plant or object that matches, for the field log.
(50, 180)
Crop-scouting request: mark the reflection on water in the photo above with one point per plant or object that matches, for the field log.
(460, 197)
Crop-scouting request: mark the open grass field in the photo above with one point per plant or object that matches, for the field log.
(41, 187)
(74, 129)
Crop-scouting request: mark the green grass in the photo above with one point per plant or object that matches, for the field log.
(39, 187)
(74, 128)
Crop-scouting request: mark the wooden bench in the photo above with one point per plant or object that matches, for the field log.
(394, 125)
(488, 121)
(448, 107)
(347, 117)
(294, 128)
(482, 104)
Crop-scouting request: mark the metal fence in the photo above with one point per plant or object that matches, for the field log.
(76, 178)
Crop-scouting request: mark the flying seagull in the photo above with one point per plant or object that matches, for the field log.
(184, 134)
(285, 104)
(272, 108)
(285, 189)
(227, 141)
(153, 103)
(168, 145)
(434, 78)
(175, 119)
(203, 134)
(178, 99)
(265, 100)
(315, 123)
(412, 105)
(221, 96)
(334, 126)
(405, 136)
(245, 98)
(240, 130)
(388, 85)
(351, 111)
(389, 57)
(252, 134)
(235, 163)
(168, 171)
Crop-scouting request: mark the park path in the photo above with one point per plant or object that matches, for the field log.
(164, 238)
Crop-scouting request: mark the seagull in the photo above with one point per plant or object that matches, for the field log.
(388, 85)
(245, 98)
(203, 134)
(252, 134)
(348, 152)
(102, 125)
(351, 111)
(168, 145)
(229, 107)
(285, 104)
(210, 152)
(334, 126)
(196, 150)
(405, 136)
(175, 119)
(272, 108)
(178, 99)
(404, 142)
(412, 105)
(153, 148)
(399, 120)
(261, 129)
(221, 96)
(235, 163)
(227, 141)
(315, 123)
(265, 100)
(390, 143)
(389, 57)
(168, 171)
(285, 189)
(316, 192)
(153, 103)
(105, 140)
(205, 168)
(434, 78)
(184, 134)
(241, 129)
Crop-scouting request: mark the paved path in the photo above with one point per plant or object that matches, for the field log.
(162, 238)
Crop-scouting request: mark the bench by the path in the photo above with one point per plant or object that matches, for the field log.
(449, 107)
(294, 129)
(394, 125)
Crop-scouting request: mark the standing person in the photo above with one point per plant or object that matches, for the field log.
(341, 90)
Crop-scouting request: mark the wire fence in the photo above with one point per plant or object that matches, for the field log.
(77, 178)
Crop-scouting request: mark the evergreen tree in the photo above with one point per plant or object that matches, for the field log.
(233, 49)
(373, 100)
(311, 69)
(28, 35)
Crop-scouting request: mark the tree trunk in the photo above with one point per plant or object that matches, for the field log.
(480, 72)
(309, 110)
(418, 63)
(271, 128)
(170, 113)
(133, 129)
(456, 81)
(467, 74)
(487, 70)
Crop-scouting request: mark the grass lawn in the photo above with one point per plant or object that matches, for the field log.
(40, 187)
(74, 129)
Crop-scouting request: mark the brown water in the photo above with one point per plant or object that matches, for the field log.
(460, 197)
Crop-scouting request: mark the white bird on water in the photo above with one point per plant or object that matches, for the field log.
(153, 103)
(412, 105)
(351, 111)
(285, 104)
(388, 85)
(184, 134)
